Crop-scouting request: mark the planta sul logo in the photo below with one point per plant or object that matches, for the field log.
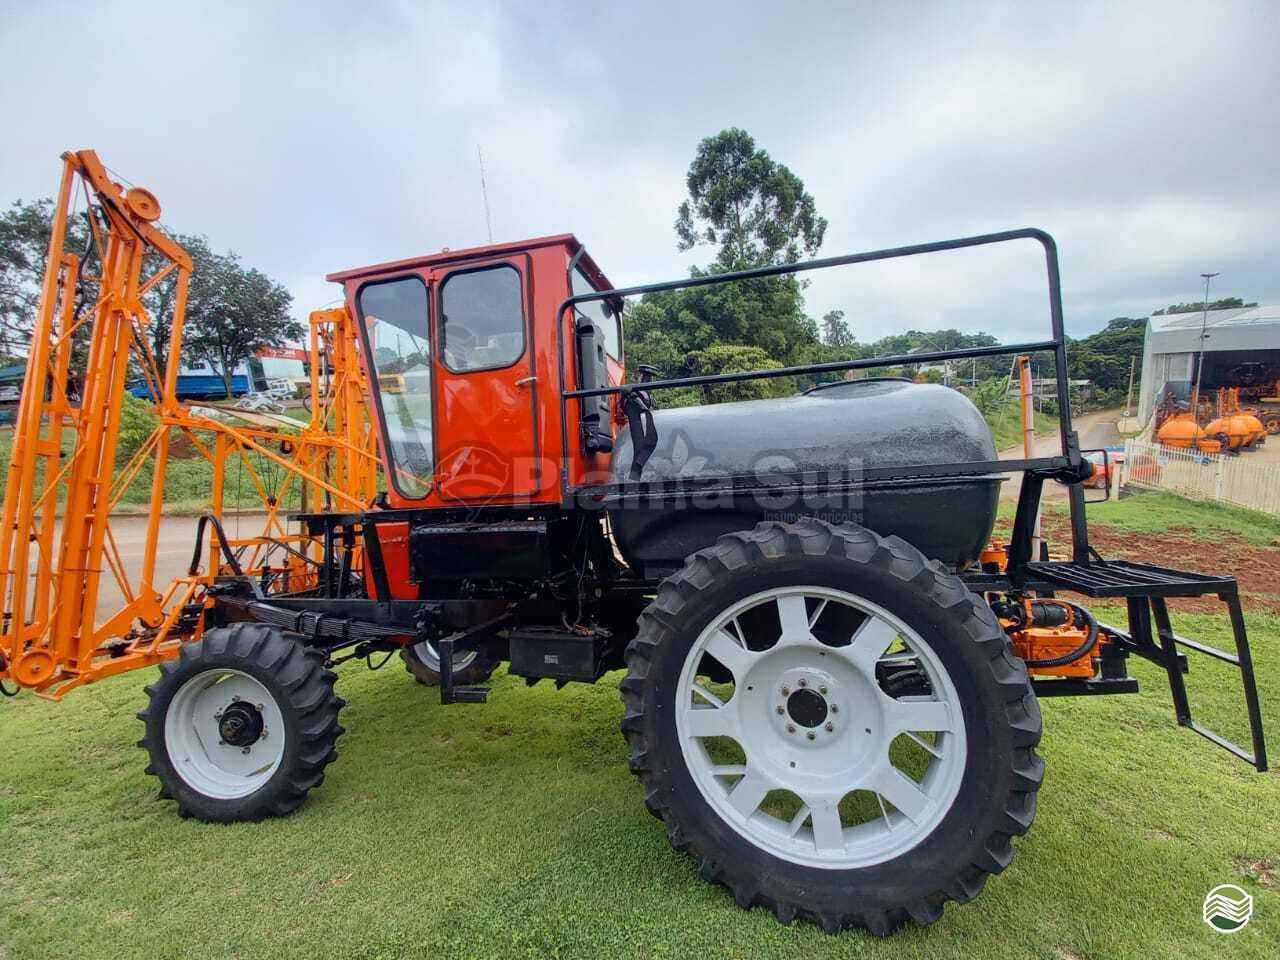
(1227, 908)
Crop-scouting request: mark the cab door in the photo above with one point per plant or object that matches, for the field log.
(486, 382)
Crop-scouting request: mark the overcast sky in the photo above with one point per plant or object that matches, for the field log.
(316, 136)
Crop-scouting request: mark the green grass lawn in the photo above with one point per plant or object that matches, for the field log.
(514, 829)
(1156, 512)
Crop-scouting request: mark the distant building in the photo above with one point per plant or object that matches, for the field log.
(1241, 348)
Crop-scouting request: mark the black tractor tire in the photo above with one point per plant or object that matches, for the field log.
(996, 799)
(293, 676)
(426, 668)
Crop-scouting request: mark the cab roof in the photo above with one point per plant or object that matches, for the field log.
(447, 256)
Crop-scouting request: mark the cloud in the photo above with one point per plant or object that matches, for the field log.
(313, 137)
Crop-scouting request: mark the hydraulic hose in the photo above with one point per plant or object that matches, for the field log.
(1090, 639)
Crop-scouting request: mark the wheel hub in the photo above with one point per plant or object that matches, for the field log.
(807, 707)
(815, 723)
(811, 701)
(224, 733)
(241, 724)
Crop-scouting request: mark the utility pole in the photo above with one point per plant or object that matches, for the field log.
(1128, 400)
(1204, 322)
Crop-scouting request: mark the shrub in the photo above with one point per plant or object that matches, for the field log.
(138, 421)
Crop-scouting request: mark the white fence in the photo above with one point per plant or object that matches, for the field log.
(1202, 476)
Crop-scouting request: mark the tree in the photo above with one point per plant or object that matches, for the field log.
(1226, 303)
(757, 213)
(161, 298)
(25, 230)
(233, 312)
(735, 358)
(746, 203)
(835, 331)
(1105, 357)
(666, 329)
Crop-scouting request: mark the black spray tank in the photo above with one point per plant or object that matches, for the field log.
(736, 464)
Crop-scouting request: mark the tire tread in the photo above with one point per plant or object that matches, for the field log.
(773, 541)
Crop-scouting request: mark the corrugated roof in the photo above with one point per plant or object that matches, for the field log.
(1234, 317)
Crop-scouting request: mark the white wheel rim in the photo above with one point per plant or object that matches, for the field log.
(194, 742)
(430, 657)
(816, 767)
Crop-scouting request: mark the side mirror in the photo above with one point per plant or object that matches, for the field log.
(1101, 479)
(597, 430)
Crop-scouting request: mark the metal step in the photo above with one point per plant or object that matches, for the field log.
(1151, 636)
(1125, 578)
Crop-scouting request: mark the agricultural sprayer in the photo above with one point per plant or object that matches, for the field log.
(832, 675)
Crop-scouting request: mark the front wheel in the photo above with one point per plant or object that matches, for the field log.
(242, 724)
(832, 726)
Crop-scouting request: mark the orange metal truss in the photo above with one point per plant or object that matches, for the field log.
(64, 482)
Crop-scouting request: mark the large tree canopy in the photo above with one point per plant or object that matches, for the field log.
(25, 229)
(232, 310)
(1105, 357)
(1226, 303)
(741, 200)
(756, 212)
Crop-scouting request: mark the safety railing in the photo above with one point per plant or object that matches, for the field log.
(1216, 477)
(1066, 464)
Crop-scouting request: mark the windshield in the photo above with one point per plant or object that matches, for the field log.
(395, 316)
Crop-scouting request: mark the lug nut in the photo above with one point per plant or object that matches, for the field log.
(244, 750)
(823, 691)
(810, 734)
(791, 728)
(835, 708)
(804, 682)
(779, 710)
(829, 727)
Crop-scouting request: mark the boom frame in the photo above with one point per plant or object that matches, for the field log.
(52, 560)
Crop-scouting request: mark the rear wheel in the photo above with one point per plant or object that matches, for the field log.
(242, 724)
(832, 726)
(469, 666)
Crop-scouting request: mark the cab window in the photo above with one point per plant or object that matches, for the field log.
(597, 312)
(394, 313)
(481, 319)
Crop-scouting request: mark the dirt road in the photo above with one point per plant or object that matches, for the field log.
(1097, 429)
(173, 554)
